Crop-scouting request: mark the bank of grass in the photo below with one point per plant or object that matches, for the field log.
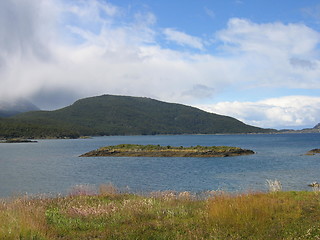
(162, 215)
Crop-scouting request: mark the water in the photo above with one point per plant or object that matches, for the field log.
(53, 166)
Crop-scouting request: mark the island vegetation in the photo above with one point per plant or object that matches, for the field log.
(313, 151)
(135, 150)
(110, 214)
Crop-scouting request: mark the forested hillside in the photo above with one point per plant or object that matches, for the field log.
(120, 115)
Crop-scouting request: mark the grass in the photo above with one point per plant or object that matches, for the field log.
(162, 215)
(137, 147)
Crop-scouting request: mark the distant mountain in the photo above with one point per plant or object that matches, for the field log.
(315, 129)
(121, 115)
(11, 108)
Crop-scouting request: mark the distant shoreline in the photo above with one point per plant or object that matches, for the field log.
(3, 140)
(18, 140)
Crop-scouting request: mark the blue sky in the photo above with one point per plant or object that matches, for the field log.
(257, 61)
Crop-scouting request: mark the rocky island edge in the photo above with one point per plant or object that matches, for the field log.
(134, 150)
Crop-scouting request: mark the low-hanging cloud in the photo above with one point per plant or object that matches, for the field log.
(301, 63)
(74, 49)
(200, 91)
(282, 112)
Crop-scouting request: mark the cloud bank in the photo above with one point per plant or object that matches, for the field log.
(284, 112)
(54, 52)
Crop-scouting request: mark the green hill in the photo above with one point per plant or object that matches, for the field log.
(120, 115)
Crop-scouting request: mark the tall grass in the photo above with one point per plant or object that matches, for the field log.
(256, 215)
(274, 185)
(109, 214)
(23, 218)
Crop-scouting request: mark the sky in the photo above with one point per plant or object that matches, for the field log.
(255, 60)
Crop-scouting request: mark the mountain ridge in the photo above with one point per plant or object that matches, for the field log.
(125, 115)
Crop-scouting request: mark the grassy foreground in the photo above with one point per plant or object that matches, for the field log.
(162, 215)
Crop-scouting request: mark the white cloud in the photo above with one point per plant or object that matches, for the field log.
(265, 52)
(209, 12)
(269, 39)
(183, 39)
(84, 48)
(285, 112)
(301, 63)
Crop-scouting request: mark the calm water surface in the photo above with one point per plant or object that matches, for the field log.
(53, 166)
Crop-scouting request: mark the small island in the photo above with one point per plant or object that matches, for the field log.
(313, 151)
(134, 150)
(18, 140)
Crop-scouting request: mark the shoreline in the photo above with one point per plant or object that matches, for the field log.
(182, 134)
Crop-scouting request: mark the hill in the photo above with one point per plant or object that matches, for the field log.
(121, 115)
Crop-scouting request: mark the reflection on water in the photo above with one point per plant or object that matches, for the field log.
(52, 166)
